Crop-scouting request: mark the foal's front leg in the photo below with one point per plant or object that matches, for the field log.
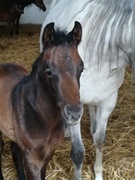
(32, 170)
(46, 161)
(17, 159)
(34, 164)
(77, 151)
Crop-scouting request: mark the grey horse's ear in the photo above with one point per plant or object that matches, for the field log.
(48, 34)
(76, 34)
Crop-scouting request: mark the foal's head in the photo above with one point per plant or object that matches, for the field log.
(63, 66)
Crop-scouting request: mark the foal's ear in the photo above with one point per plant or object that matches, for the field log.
(48, 34)
(76, 34)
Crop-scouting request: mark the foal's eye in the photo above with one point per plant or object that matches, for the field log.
(48, 72)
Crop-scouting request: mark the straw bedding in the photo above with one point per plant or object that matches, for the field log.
(119, 151)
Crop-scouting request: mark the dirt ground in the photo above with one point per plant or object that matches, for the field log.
(119, 151)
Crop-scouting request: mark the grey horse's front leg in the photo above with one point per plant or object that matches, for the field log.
(77, 150)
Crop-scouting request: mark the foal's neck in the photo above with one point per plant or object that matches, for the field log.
(39, 95)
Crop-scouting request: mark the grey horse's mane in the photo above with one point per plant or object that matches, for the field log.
(111, 29)
(124, 4)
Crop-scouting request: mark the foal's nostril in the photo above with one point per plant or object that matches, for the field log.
(73, 111)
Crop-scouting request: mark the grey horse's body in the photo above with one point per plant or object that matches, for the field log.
(107, 47)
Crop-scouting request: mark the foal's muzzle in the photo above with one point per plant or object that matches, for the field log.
(72, 114)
